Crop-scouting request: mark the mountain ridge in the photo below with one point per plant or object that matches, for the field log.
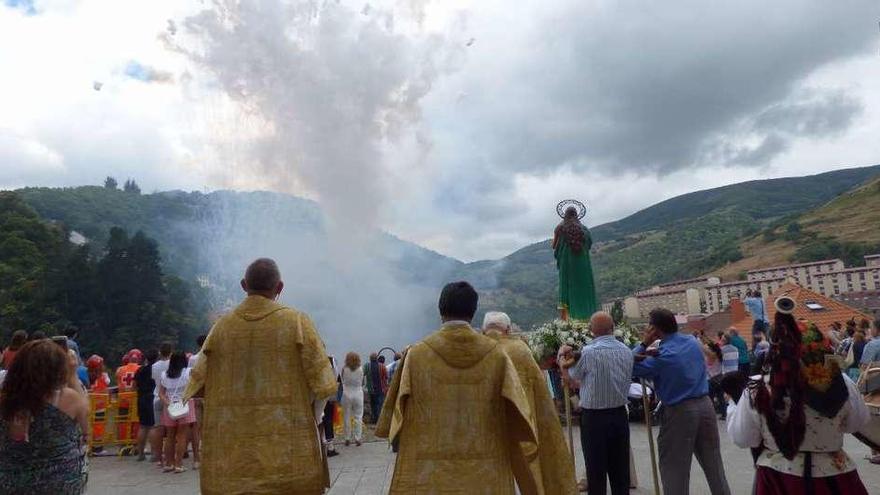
(681, 237)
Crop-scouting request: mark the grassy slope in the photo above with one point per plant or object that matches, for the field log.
(851, 218)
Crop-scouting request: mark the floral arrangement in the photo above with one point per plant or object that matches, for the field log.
(628, 334)
(545, 340)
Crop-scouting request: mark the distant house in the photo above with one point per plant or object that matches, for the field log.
(809, 305)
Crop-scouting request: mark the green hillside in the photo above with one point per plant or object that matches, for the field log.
(847, 227)
(712, 231)
(683, 237)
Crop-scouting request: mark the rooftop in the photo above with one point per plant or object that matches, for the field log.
(661, 292)
(746, 282)
(687, 281)
(810, 306)
(796, 265)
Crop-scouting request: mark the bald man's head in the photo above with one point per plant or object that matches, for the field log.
(262, 277)
(601, 323)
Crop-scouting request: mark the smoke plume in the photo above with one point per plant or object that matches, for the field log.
(326, 97)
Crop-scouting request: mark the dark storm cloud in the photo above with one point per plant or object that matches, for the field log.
(655, 86)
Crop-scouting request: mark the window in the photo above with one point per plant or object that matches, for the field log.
(814, 306)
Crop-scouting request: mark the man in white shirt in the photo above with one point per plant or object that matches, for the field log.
(158, 431)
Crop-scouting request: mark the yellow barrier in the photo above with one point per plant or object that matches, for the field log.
(113, 421)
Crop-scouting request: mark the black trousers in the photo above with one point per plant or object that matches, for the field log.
(327, 421)
(605, 442)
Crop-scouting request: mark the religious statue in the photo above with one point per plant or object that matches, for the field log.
(571, 247)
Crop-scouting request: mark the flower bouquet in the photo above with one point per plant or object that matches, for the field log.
(628, 334)
(545, 340)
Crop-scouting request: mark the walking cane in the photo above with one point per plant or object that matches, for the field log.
(646, 405)
(567, 397)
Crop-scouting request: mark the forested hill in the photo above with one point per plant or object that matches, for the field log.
(117, 294)
(683, 237)
(702, 232)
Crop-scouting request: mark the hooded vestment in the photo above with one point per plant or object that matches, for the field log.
(457, 409)
(552, 467)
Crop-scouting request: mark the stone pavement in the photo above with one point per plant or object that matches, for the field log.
(367, 470)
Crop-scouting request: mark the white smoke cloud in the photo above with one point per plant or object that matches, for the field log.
(322, 99)
(331, 92)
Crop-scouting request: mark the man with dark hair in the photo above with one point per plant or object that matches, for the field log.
(266, 378)
(689, 426)
(458, 411)
(376, 377)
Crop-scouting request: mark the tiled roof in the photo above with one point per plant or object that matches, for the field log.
(823, 318)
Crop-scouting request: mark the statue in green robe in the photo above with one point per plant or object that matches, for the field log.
(571, 247)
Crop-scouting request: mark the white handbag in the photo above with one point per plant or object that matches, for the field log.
(178, 410)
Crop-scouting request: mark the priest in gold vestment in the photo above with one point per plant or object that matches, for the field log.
(552, 467)
(265, 377)
(458, 411)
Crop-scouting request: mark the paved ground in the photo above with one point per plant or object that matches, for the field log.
(367, 470)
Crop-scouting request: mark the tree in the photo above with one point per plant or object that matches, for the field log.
(110, 183)
(617, 312)
(131, 187)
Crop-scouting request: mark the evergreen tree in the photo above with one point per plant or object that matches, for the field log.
(30, 250)
(110, 183)
(617, 312)
(131, 187)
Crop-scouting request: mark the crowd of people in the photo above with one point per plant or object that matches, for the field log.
(465, 410)
(44, 410)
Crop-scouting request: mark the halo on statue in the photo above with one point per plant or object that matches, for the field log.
(565, 204)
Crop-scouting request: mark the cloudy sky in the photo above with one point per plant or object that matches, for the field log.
(455, 124)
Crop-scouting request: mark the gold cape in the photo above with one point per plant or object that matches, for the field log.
(262, 366)
(553, 466)
(458, 411)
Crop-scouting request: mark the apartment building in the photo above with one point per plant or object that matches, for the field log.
(831, 278)
(800, 272)
(718, 297)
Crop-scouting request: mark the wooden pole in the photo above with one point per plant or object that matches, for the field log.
(566, 395)
(646, 405)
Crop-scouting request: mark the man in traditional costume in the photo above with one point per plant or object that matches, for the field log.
(457, 409)
(796, 419)
(552, 467)
(265, 377)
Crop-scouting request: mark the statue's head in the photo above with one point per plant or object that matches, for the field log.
(571, 213)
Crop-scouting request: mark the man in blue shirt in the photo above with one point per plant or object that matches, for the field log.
(754, 302)
(688, 426)
(871, 352)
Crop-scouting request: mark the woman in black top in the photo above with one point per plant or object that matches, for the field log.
(145, 385)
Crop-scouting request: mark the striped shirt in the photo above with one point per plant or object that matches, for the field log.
(729, 358)
(604, 372)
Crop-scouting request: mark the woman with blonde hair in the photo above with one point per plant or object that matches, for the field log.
(352, 377)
